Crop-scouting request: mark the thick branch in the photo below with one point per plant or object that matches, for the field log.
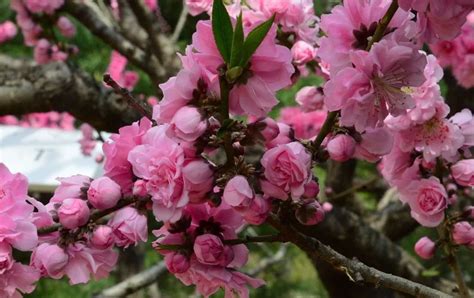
(28, 88)
(134, 283)
(357, 271)
(84, 14)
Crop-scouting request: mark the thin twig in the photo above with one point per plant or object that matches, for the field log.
(354, 188)
(383, 24)
(180, 25)
(134, 103)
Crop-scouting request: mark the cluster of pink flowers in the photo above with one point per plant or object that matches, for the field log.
(458, 53)
(45, 49)
(50, 119)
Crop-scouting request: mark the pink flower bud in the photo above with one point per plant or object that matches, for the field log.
(177, 263)
(66, 27)
(311, 190)
(303, 52)
(425, 248)
(196, 7)
(7, 31)
(463, 172)
(463, 233)
(310, 98)
(310, 213)
(283, 137)
(341, 147)
(256, 213)
(104, 193)
(271, 129)
(139, 188)
(50, 260)
(73, 213)
(188, 124)
(210, 250)
(102, 237)
(238, 192)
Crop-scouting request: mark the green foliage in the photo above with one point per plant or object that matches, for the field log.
(222, 29)
(254, 40)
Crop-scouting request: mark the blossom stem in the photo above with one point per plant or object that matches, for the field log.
(133, 102)
(255, 239)
(325, 130)
(94, 216)
(225, 90)
(444, 232)
(383, 24)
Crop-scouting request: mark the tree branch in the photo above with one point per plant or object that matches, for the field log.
(29, 88)
(355, 270)
(134, 283)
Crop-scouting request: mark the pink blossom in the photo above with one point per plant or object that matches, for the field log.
(139, 188)
(74, 187)
(425, 248)
(427, 199)
(310, 213)
(177, 263)
(116, 150)
(42, 6)
(128, 227)
(349, 26)
(463, 233)
(271, 129)
(18, 279)
(187, 124)
(463, 172)
(310, 98)
(238, 192)
(116, 69)
(103, 193)
(305, 125)
(399, 168)
(464, 71)
(50, 260)
(160, 161)
(102, 237)
(196, 7)
(285, 136)
(6, 258)
(257, 211)
(465, 121)
(210, 250)
(66, 27)
(341, 147)
(376, 86)
(287, 171)
(270, 69)
(7, 31)
(375, 143)
(303, 52)
(73, 213)
(198, 178)
(85, 262)
(87, 141)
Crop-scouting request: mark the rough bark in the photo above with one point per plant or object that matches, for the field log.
(29, 88)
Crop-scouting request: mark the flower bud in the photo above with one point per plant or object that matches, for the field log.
(210, 250)
(310, 213)
(271, 129)
(341, 147)
(73, 213)
(303, 52)
(311, 190)
(425, 248)
(102, 237)
(176, 262)
(104, 193)
(66, 27)
(256, 213)
(187, 124)
(310, 98)
(238, 192)
(139, 188)
(463, 233)
(50, 260)
(463, 172)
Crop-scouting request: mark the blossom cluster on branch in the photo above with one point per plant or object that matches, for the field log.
(192, 163)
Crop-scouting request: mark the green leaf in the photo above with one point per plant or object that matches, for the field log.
(237, 43)
(222, 29)
(254, 39)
